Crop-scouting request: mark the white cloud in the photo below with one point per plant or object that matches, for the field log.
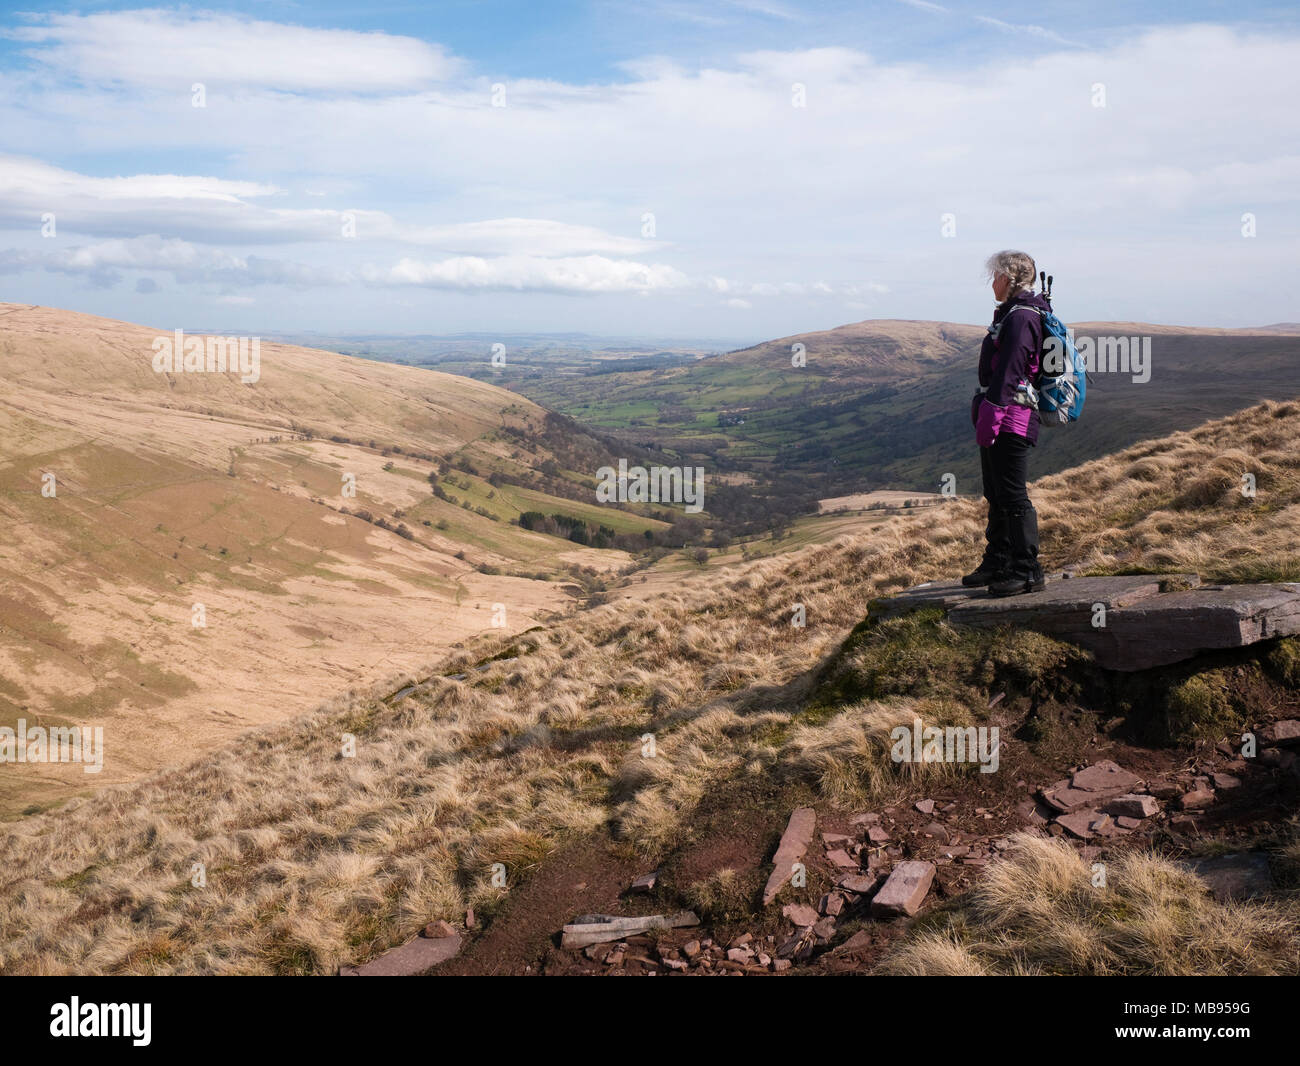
(217, 209)
(753, 198)
(103, 262)
(173, 49)
(536, 236)
(584, 274)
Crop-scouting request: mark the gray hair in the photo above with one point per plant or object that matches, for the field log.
(1017, 266)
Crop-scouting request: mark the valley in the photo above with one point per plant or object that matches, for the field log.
(189, 556)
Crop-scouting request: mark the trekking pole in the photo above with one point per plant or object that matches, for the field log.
(1049, 287)
(1042, 282)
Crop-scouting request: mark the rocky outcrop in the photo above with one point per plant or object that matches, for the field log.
(1131, 622)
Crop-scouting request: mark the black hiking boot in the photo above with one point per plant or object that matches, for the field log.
(985, 574)
(1015, 584)
(1024, 574)
(997, 553)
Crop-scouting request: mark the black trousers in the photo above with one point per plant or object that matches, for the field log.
(1012, 531)
(1005, 467)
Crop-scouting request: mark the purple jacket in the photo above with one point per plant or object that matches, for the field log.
(1010, 353)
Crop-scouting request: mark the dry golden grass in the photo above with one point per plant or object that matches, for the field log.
(195, 488)
(847, 758)
(313, 859)
(1177, 503)
(1043, 911)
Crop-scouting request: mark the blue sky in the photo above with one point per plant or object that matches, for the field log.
(733, 169)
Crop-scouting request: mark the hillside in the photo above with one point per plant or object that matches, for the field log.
(173, 490)
(885, 404)
(529, 751)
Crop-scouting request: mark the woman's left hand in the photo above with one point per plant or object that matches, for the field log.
(988, 423)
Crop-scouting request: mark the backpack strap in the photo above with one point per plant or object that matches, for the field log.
(996, 328)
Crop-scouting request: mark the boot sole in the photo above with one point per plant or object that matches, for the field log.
(1022, 591)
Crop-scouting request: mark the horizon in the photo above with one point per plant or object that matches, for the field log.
(292, 336)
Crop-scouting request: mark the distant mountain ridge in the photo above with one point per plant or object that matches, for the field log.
(885, 403)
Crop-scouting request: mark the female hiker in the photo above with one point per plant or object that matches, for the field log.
(1006, 427)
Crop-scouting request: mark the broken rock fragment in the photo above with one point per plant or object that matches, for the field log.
(1104, 776)
(1090, 787)
(794, 842)
(801, 914)
(832, 903)
(1196, 800)
(1285, 733)
(645, 883)
(905, 890)
(861, 884)
(1132, 806)
(1085, 823)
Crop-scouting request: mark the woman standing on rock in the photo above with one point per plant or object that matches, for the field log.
(1006, 427)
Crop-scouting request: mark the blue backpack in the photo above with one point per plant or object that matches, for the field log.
(1062, 382)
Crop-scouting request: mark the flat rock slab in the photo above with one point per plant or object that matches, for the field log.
(1090, 786)
(905, 890)
(1144, 626)
(588, 929)
(794, 842)
(949, 595)
(1235, 877)
(1103, 776)
(412, 959)
(1286, 733)
(1086, 823)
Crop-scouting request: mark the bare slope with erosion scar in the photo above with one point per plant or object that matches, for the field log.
(136, 502)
